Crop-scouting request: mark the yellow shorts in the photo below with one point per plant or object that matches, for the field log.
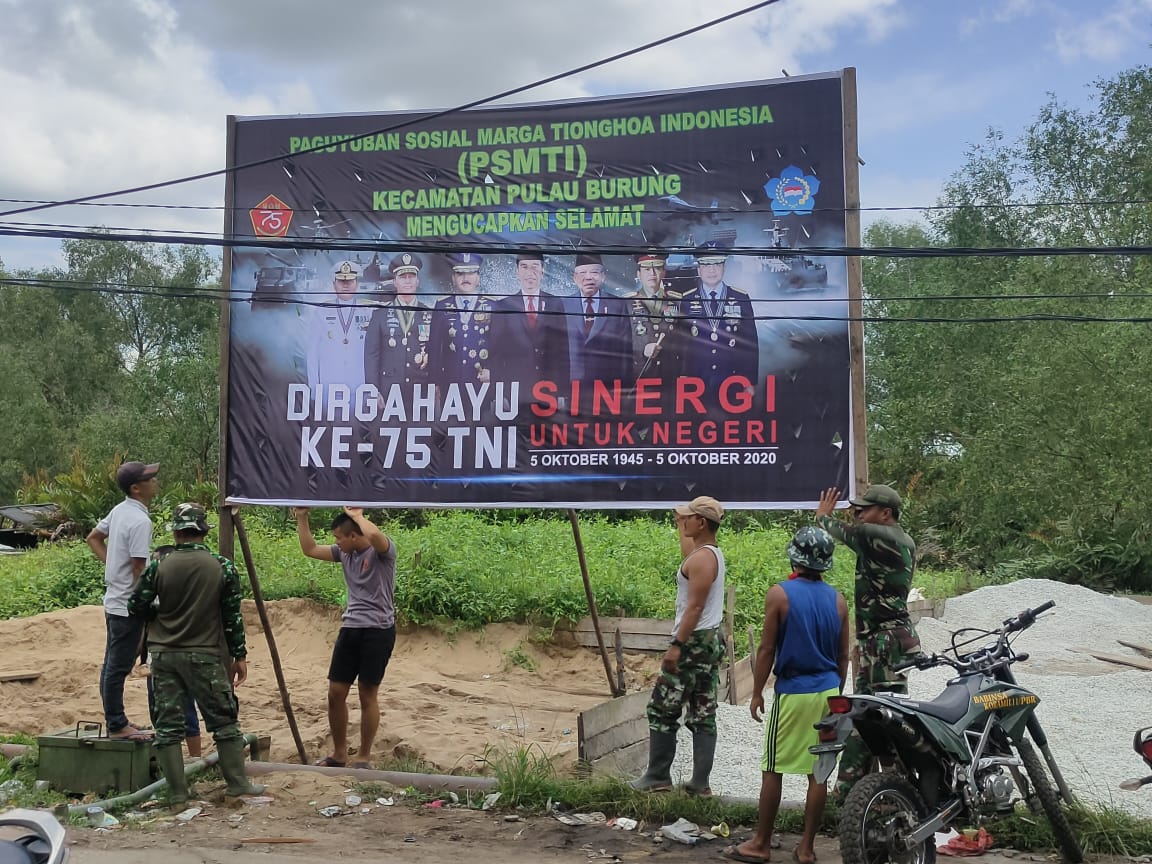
(788, 731)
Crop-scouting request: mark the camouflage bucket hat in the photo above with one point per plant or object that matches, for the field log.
(811, 547)
(190, 517)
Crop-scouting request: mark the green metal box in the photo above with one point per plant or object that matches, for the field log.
(82, 760)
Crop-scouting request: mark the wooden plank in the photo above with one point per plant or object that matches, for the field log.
(615, 738)
(608, 714)
(1118, 659)
(651, 626)
(625, 762)
(20, 675)
(630, 641)
(1146, 650)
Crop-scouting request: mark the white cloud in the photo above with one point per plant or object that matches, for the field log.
(995, 14)
(1105, 33)
(107, 94)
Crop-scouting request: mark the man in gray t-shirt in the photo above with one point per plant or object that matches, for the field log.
(368, 630)
(123, 541)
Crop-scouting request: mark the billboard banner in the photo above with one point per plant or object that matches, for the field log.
(600, 303)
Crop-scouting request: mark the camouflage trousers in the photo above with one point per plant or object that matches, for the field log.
(178, 675)
(692, 690)
(874, 656)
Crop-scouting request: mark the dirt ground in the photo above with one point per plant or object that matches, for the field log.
(445, 699)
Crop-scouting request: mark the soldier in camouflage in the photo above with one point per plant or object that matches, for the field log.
(885, 562)
(690, 670)
(196, 632)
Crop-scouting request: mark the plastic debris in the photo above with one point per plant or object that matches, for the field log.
(624, 823)
(721, 830)
(490, 800)
(353, 800)
(365, 809)
(189, 814)
(41, 785)
(330, 811)
(455, 798)
(257, 800)
(688, 833)
(566, 732)
(594, 818)
(511, 817)
(436, 803)
(385, 802)
(970, 842)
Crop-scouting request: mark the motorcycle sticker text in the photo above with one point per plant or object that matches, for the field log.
(996, 701)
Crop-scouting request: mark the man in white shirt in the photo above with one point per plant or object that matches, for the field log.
(123, 541)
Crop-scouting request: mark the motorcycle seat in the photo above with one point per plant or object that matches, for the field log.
(949, 706)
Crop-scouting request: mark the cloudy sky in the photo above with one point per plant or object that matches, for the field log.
(107, 94)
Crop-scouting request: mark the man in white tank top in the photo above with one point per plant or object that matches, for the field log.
(690, 670)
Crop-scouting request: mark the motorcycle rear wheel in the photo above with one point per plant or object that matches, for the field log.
(878, 813)
(1042, 788)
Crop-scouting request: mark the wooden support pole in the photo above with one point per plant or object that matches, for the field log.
(575, 520)
(258, 596)
(730, 644)
(619, 646)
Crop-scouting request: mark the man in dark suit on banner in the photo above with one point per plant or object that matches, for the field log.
(599, 337)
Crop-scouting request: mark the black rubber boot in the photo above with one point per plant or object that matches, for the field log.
(661, 752)
(232, 767)
(170, 759)
(703, 755)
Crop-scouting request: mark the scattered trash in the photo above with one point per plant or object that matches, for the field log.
(511, 817)
(385, 802)
(594, 818)
(624, 823)
(566, 732)
(365, 810)
(455, 798)
(485, 676)
(970, 842)
(409, 839)
(490, 800)
(257, 800)
(236, 818)
(189, 814)
(41, 785)
(437, 803)
(688, 833)
(721, 830)
(11, 787)
(95, 816)
(353, 800)
(330, 811)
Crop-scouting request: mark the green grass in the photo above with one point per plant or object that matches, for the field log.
(470, 568)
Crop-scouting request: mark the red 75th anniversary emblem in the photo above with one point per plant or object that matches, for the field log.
(271, 217)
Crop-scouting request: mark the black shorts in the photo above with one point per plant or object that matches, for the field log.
(362, 652)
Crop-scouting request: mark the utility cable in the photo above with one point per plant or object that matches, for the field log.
(436, 115)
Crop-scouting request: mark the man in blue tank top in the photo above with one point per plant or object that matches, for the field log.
(805, 642)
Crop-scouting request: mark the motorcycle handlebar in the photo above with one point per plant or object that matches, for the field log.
(1027, 618)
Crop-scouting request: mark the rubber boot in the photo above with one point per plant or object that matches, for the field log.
(231, 762)
(703, 755)
(170, 759)
(661, 752)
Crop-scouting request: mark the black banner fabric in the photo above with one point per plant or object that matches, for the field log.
(598, 303)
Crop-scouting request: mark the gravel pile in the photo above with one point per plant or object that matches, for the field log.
(1089, 708)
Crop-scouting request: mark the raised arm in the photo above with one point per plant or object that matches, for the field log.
(376, 537)
(308, 543)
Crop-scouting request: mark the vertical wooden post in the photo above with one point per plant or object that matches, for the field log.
(619, 660)
(730, 643)
(226, 536)
(258, 596)
(855, 280)
(575, 520)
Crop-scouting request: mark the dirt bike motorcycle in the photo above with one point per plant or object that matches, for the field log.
(1142, 744)
(41, 843)
(953, 761)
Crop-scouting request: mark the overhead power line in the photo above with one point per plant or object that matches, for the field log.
(436, 115)
(489, 248)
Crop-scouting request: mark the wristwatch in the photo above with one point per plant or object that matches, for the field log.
(677, 643)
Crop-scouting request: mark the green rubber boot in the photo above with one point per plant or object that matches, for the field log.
(661, 752)
(170, 759)
(231, 762)
(703, 755)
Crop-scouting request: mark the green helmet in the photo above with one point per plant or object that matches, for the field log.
(190, 517)
(811, 547)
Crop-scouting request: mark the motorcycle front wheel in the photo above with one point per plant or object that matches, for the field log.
(878, 813)
(1050, 802)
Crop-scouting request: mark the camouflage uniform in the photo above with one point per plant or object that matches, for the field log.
(885, 561)
(692, 689)
(192, 662)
